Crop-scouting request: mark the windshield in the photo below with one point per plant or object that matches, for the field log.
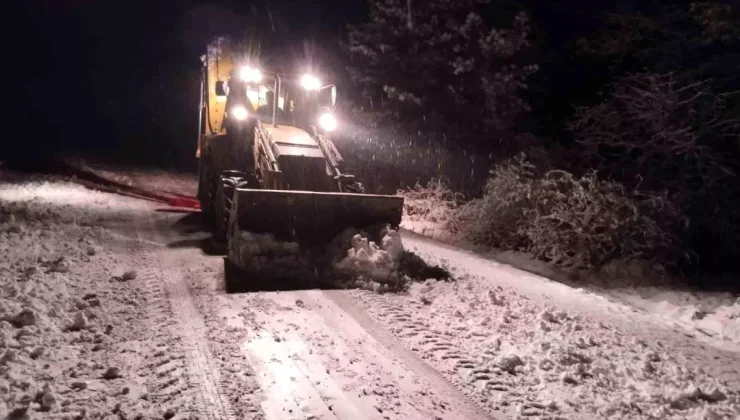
(295, 107)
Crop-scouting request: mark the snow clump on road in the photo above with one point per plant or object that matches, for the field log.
(386, 267)
(366, 258)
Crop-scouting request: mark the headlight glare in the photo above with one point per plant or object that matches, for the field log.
(328, 122)
(310, 82)
(239, 113)
(249, 74)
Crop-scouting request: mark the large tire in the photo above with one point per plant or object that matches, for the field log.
(220, 214)
(208, 184)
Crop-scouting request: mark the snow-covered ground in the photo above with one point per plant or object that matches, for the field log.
(155, 180)
(711, 314)
(520, 343)
(76, 340)
(713, 317)
(111, 310)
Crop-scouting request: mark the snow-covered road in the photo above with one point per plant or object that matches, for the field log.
(134, 323)
(312, 354)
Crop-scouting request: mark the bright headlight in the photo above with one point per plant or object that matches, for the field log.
(328, 122)
(240, 113)
(310, 82)
(249, 74)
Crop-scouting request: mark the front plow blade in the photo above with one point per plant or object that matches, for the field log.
(312, 217)
(282, 240)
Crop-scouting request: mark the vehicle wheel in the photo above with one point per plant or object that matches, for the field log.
(208, 181)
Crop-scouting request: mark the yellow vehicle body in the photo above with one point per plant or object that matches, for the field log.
(282, 178)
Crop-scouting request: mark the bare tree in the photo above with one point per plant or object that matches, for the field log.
(664, 129)
(673, 135)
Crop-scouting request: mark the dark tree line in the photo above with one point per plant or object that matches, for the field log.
(646, 97)
(437, 65)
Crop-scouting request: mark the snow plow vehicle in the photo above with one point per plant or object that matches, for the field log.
(267, 163)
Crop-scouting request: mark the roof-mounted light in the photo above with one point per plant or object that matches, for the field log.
(310, 82)
(328, 122)
(250, 75)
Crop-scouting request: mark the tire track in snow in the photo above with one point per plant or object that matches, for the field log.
(405, 321)
(166, 386)
(477, 377)
(178, 311)
(163, 365)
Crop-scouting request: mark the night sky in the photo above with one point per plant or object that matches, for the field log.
(120, 78)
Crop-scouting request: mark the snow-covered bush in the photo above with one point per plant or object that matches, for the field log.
(427, 208)
(498, 217)
(556, 216)
(677, 133)
(587, 222)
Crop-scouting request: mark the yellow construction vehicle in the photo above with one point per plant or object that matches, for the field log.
(267, 163)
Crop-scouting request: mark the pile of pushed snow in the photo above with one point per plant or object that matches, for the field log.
(721, 321)
(352, 259)
(385, 267)
(378, 263)
(725, 320)
(264, 255)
